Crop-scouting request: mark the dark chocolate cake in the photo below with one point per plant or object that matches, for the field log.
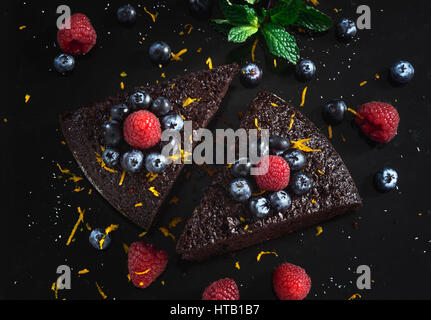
(139, 196)
(219, 224)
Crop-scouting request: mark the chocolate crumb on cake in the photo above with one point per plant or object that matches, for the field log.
(139, 196)
(219, 224)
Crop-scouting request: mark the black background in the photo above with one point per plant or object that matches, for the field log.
(39, 210)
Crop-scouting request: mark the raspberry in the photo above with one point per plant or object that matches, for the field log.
(291, 282)
(80, 38)
(142, 129)
(273, 173)
(146, 263)
(378, 120)
(223, 289)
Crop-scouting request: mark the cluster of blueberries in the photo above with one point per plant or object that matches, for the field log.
(299, 184)
(133, 161)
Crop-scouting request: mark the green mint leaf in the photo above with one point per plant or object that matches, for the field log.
(313, 19)
(241, 33)
(252, 1)
(285, 12)
(239, 14)
(280, 42)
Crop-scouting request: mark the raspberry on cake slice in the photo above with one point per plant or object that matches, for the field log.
(303, 182)
(117, 142)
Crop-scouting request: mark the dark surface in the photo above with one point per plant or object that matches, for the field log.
(220, 224)
(39, 210)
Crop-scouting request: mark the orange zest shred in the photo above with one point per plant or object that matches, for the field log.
(261, 192)
(189, 101)
(189, 27)
(102, 163)
(177, 56)
(377, 76)
(319, 230)
(304, 92)
(151, 176)
(123, 74)
(90, 191)
(80, 219)
(78, 189)
(143, 272)
(199, 50)
(122, 85)
(237, 265)
(166, 233)
(83, 271)
(26, 98)
(109, 229)
(55, 289)
(313, 201)
(275, 63)
(209, 63)
(138, 204)
(142, 234)
(123, 174)
(355, 113)
(154, 191)
(314, 2)
(126, 248)
(256, 124)
(22, 27)
(104, 296)
(246, 227)
(274, 104)
(174, 200)
(300, 144)
(320, 171)
(253, 48)
(291, 120)
(265, 252)
(174, 222)
(153, 16)
(363, 83)
(355, 296)
(343, 138)
(330, 131)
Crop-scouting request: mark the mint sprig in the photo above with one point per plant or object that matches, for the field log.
(241, 21)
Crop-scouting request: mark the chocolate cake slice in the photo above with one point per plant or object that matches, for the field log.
(139, 196)
(220, 224)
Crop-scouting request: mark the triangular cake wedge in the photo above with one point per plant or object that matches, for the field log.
(219, 224)
(140, 196)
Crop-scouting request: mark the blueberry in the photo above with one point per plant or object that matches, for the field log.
(110, 157)
(173, 122)
(132, 161)
(333, 112)
(240, 169)
(305, 69)
(111, 133)
(119, 112)
(259, 207)
(386, 179)
(140, 99)
(64, 63)
(300, 183)
(161, 106)
(160, 53)
(240, 189)
(402, 72)
(346, 29)
(156, 162)
(296, 159)
(200, 8)
(251, 75)
(277, 145)
(96, 237)
(259, 147)
(126, 14)
(280, 201)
